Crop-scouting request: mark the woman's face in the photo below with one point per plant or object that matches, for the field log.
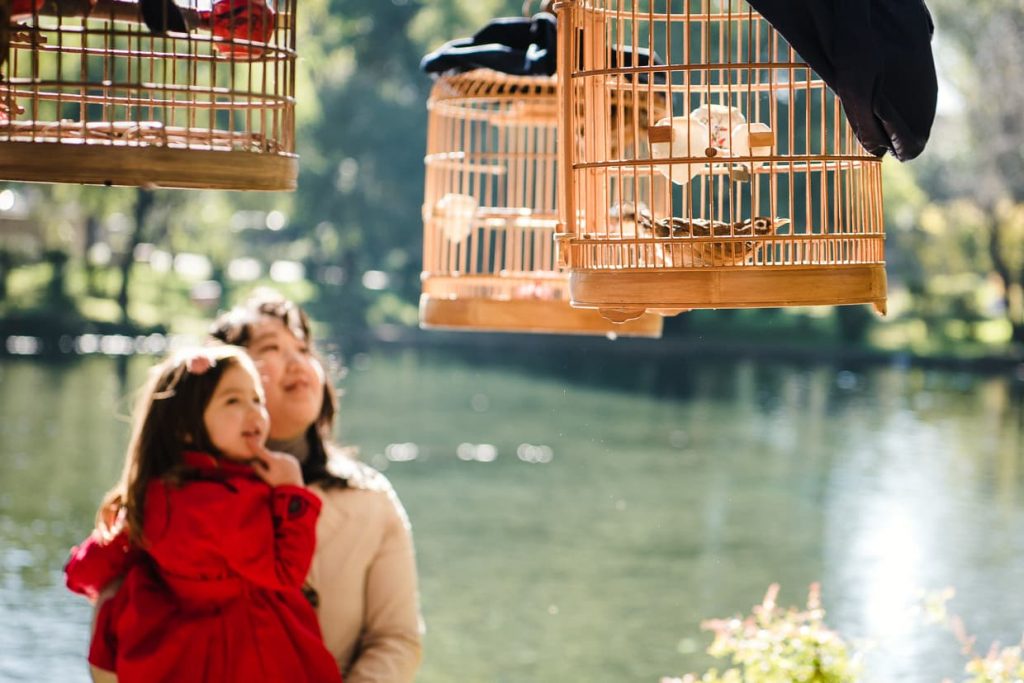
(292, 377)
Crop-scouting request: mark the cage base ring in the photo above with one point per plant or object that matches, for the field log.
(528, 316)
(773, 287)
(124, 165)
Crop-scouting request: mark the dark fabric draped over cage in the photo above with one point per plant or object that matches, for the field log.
(876, 55)
(521, 46)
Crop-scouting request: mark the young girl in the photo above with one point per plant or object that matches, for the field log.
(213, 533)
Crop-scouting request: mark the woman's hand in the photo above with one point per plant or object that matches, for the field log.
(277, 469)
(115, 518)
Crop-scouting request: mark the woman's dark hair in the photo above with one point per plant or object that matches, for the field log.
(236, 327)
(167, 421)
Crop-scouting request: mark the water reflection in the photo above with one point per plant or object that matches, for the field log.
(539, 454)
(479, 452)
(87, 344)
(671, 490)
(58, 452)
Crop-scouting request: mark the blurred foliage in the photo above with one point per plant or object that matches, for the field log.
(997, 665)
(361, 183)
(775, 645)
(955, 216)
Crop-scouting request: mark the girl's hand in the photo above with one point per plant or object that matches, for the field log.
(277, 469)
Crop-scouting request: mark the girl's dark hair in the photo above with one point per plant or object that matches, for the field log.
(168, 420)
(236, 327)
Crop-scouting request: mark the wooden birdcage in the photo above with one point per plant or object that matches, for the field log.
(746, 188)
(91, 93)
(490, 210)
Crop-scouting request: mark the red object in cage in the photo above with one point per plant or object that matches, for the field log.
(245, 20)
(20, 8)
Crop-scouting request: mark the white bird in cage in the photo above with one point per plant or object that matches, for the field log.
(689, 139)
(456, 212)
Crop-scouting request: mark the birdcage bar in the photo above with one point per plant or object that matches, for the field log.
(490, 211)
(744, 170)
(95, 97)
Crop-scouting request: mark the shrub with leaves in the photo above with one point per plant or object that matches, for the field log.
(774, 645)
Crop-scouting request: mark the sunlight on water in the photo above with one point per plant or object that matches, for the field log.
(536, 454)
(480, 452)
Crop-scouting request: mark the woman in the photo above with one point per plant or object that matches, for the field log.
(363, 577)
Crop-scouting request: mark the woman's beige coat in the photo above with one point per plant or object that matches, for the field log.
(364, 575)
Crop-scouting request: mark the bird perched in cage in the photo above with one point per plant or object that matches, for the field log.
(623, 218)
(728, 252)
(702, 227)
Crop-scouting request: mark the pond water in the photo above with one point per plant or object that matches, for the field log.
(577, 516)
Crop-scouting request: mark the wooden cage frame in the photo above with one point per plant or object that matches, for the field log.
(743, 186)
(490, 212)
(88, 94)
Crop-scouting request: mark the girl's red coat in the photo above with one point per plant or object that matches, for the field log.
(216, 596)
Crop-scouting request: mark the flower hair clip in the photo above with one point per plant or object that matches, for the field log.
(199, 363)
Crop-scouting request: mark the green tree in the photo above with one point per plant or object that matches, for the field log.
(984, 62)
(144, 202)
(362, 142)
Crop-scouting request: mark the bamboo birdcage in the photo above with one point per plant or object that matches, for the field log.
(89, 94)
(748, 188)
(490, 210)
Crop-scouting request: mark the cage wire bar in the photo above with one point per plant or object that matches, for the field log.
(490, 210)
(88, 94)
(742, 186)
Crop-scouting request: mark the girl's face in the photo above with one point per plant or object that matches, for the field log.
(292, 377)
(236, 415)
